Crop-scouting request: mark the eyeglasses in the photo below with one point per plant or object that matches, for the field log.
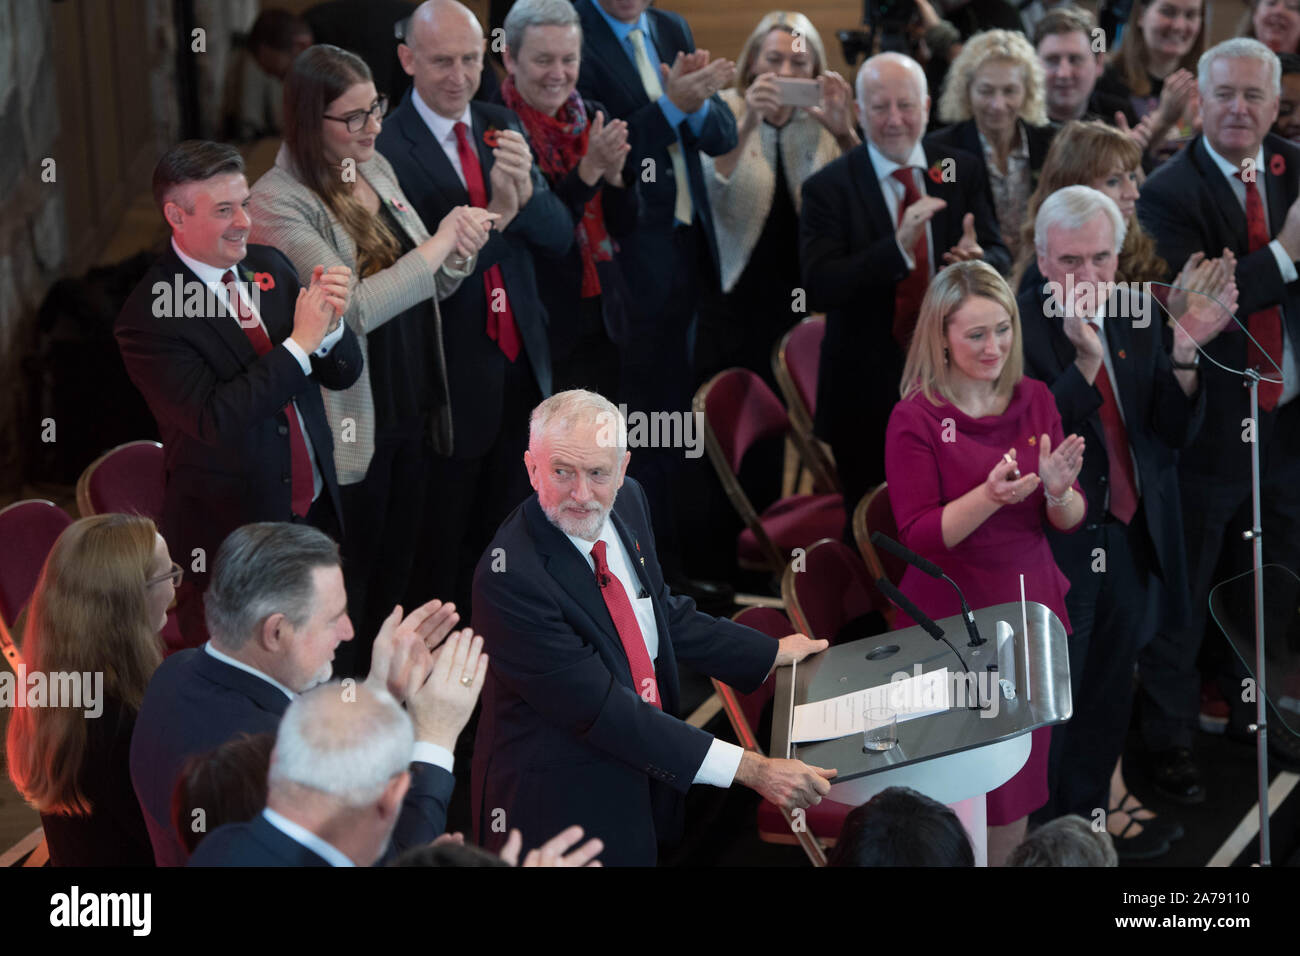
(357, 121)
(176, 573)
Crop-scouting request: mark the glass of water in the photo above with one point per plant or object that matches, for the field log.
(880, 730)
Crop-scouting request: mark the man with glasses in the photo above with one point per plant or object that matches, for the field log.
(230, 353)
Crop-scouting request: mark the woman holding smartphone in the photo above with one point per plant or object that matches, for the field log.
(755, 189)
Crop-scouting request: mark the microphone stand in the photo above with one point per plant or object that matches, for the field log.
(1255, 535)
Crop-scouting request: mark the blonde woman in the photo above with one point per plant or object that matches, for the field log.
(754, 190)
(98, 608)
(978, 466)
(994, 97)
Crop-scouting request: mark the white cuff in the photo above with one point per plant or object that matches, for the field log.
(720, 764)
(1284, 263)
(296, 351)
(439, 756)
(907, 257)
(329, 341)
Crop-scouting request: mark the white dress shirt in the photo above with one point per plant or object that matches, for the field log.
(444, 131)
(894, 193)
(423, 752)
(1290, 371)
(211, 276)
(300, 834)
(722, 760)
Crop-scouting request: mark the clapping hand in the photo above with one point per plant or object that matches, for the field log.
(557, 851)
(607, 147)
(692, 79)
(968, 246)
(513, 156)
(401, 654)
(1205, 301)
(1059, 468)
(1005, 485)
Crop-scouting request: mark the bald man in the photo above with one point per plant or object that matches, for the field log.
(448, 151)
(876, 224)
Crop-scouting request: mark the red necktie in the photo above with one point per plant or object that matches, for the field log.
(909, 293)
(1123, 484)
(303, 484)
(501, 327)
(1265, 326)
(629, 632)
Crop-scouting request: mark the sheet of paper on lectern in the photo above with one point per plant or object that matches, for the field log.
(918, 696)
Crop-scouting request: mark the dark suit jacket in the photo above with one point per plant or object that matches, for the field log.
(965, 136)
(608, 75)
(255, 843)
(195, 703)
(563, 737)
(1159, 420)
(475, 364)
(851, 264)
(1187, 206)
(220, 407)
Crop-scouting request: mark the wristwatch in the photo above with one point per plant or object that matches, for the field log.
(1191, 366)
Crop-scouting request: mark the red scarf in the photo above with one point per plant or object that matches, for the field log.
(560, 142)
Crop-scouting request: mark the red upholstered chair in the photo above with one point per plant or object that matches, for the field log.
(824, 821)
(739, 410)
(872, 514)
(795, 362)
(831, 591)
(28, 530)
(127, 479)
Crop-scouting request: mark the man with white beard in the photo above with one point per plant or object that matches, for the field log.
(578, 722)
(276, 611)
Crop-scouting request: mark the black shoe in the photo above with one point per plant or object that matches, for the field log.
(1146, 845)
(1175, 776)
(1283, 746)
(1171, 830)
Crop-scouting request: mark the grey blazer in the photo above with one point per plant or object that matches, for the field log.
(293, 218)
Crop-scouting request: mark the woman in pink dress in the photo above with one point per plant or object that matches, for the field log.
(976, 463)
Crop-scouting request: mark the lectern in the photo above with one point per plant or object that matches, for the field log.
(960, 754)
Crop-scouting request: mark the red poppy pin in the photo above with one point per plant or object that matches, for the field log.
(1033, 439)
(265, 281)
(936, 172)
(491, 137)
(397, 204)
(1123, 354)
(1277, 165)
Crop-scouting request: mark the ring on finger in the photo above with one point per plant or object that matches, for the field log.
(466, 681)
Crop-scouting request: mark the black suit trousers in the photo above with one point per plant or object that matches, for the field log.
(1214, 515)
(1111, 612)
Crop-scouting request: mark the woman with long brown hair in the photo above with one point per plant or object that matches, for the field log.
(1154, 70)
(95, 617)
(332, 198)
(1101, 156)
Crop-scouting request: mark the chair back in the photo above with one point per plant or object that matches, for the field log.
(795, 362)
(744, 710)
(872, 514)
(831, 590)
(739, 410)
(28, 530)
(127, 479)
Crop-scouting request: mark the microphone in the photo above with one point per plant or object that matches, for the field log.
(932, 569)
(915, 613)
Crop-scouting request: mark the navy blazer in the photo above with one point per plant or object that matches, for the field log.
(475, 364)
(1188, 206)
(1159, 421)
(607, 74)
(195, 703)
(221, 408)
(851, 265)
(563, 737)
(255, 843)
(966, 137)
